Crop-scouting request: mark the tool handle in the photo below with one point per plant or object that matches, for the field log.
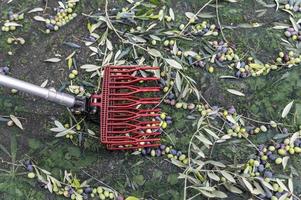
(50, 95)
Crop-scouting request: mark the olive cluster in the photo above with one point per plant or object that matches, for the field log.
(262, 168)
(10, 24)
(62, 17)
(168, 151)
(292, 7)
(293, 34)
(165, 120)
(239, 129)
(201, 28)
(72, 190)
(289, 58)
(13, 40)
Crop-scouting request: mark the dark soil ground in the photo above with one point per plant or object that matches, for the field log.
(147, 177)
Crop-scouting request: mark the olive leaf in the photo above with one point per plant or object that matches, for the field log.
(213, 176)
(284, 161)
(44, 83)
(154, 52)
(284, 196)
(109, 45)
(281, 184)
(287, 109)
(53, 60)
(295, 25)
(211, 133)
(231, 119)
(215, 163)
(247, 184)
(178, 82)
(189, 15)
(235, 92)
(219, 194)
(290, 184)
(232, 188)
(16, 121)
(39, 18)
(12, 24)
(172, 14)
(35, 10)
(173, 63)
(203, 139)
(228, 176)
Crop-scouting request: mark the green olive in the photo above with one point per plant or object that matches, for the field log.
(10, 40)
(211, 69)
(278, 161)
(166, 43)
(181, 27)
(31, 175)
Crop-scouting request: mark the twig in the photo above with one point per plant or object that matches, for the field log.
(195, 16)
(219, 23)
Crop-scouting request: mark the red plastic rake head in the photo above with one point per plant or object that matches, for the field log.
(127, 116)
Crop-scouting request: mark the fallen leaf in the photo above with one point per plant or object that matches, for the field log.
(39, 18)
(173, 63)
(35, 10)
(53, 60)
(287, 109)
(235, 92)
(16, 121)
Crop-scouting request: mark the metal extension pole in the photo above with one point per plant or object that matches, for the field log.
(57, 97)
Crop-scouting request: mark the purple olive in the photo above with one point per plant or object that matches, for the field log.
(225, 49)
(179, 153)
(158, 152)
(88, 190)
(162, 147)
(6, 69)
(278, 194)
(50, 26)
(169, 121)
(296, 8)
(171, 96)
(272, 157)
(143, 152)
(268, 174)
(285, 131)
(29, 168)
(286, 57)
(173, 152)
(260, 168)
(231, 110)
(238, 74)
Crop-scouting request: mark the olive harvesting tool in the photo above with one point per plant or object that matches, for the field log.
(127, 117)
